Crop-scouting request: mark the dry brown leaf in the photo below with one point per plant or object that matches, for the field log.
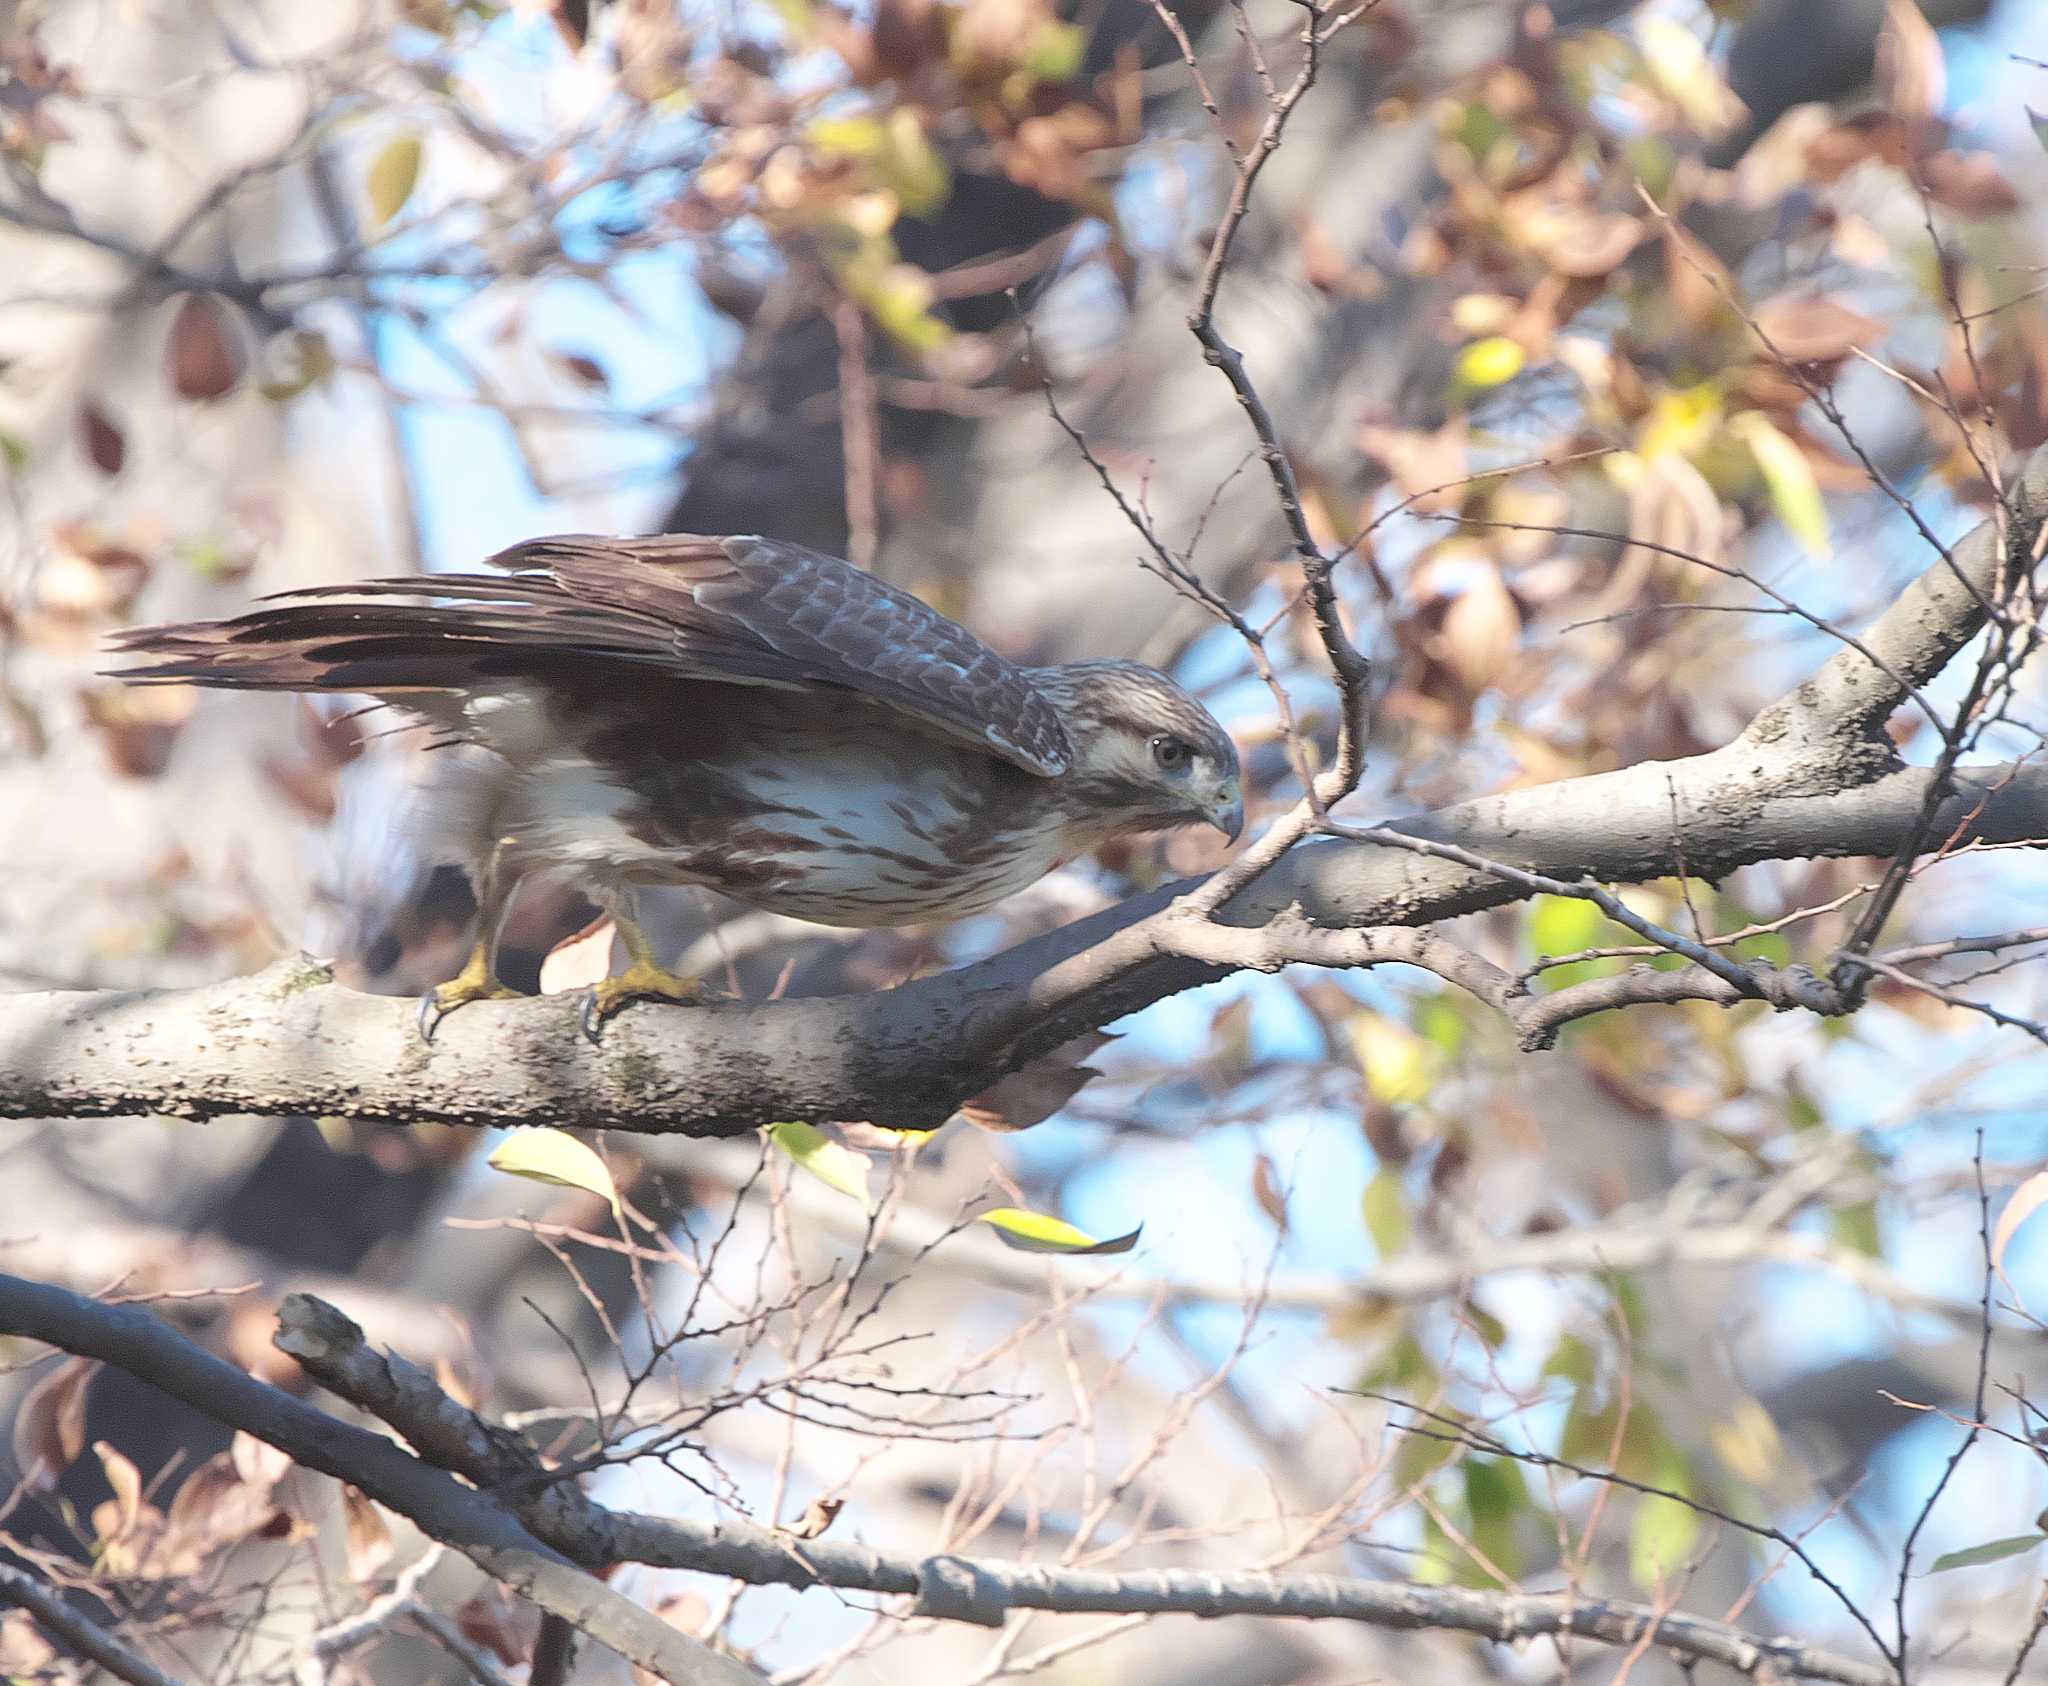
(257, 1462)
(1426, 464)
(817, 1517)
(215, 1507)
(87, 586)
(306, 785)
(1672, 506)
(579, 961)
(206, 356)
(1583, 243)
(1030, 1095)
(496, 1623)
(116, 1520)
(1810, 328)
(1698, 280)
(1969, 182)
(1911, 78)
(1267, 1192)
(49, 1427)
(138, 724)
(369, 1535)
(24, 1652)
(105, 444)
(1482, 630)
(1871, 136)
(2026, 1200)
(582, 369)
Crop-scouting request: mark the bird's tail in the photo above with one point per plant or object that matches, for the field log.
(375, 637)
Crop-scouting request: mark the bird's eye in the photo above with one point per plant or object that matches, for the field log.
(1171, 753)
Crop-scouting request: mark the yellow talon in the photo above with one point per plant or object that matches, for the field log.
(643, 978)
(475, 982)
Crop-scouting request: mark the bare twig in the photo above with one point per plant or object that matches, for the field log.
(86, 1637)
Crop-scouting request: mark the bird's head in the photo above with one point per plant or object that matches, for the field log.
(1146, 754)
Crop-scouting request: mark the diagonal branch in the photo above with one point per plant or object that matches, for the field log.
(980, 1590)
(56, 1617)
(576, 1529)
(136, 1341)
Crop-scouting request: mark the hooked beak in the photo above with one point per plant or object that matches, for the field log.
(1226, 813)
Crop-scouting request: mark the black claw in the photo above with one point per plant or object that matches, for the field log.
(593, 1020)
(430, 1016)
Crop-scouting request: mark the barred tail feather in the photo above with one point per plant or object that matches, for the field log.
(380, 644)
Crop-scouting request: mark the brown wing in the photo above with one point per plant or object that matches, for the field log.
(742, 610)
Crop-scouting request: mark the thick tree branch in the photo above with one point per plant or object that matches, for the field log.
(1812, 775)
(142, 1344)
(289, 1040)
(978, 1590)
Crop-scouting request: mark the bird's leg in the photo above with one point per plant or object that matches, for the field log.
(644, 975)
(478, 979)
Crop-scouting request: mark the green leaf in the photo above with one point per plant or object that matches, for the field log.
(1495, 1495)
(554, 1156)
(1386, 1211)
(1034, 1232)
(1565, 925)
(1788, 477)
(1661, 1539)
(1856, 1228)
(833, 1163)
(1991, 1551)
(1420, 1456)
(1441, 1020)
(1573, 1359)
(394, 173)
(1056, 51)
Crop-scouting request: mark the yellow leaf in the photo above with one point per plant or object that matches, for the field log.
(1788, 476)
(1747, 1442)
(857, 136)
(911, 166)
(1400, 1067)
(1492, 361)
(832, 1163)
(394, 173)
(1034, 1232)
(900, 301)
(554, 1156)
(1680, 422)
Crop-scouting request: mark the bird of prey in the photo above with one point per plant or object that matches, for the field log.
(735, 712)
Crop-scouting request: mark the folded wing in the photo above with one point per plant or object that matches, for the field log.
(741, 611)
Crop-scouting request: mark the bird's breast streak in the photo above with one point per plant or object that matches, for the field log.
(854, 837)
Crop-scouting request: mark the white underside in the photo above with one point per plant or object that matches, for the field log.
(562, 814)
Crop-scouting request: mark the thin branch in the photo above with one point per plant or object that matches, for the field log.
(979, 1590)
(86, 1637)
(134, 1340)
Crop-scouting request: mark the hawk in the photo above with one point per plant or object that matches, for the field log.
(738, 713)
